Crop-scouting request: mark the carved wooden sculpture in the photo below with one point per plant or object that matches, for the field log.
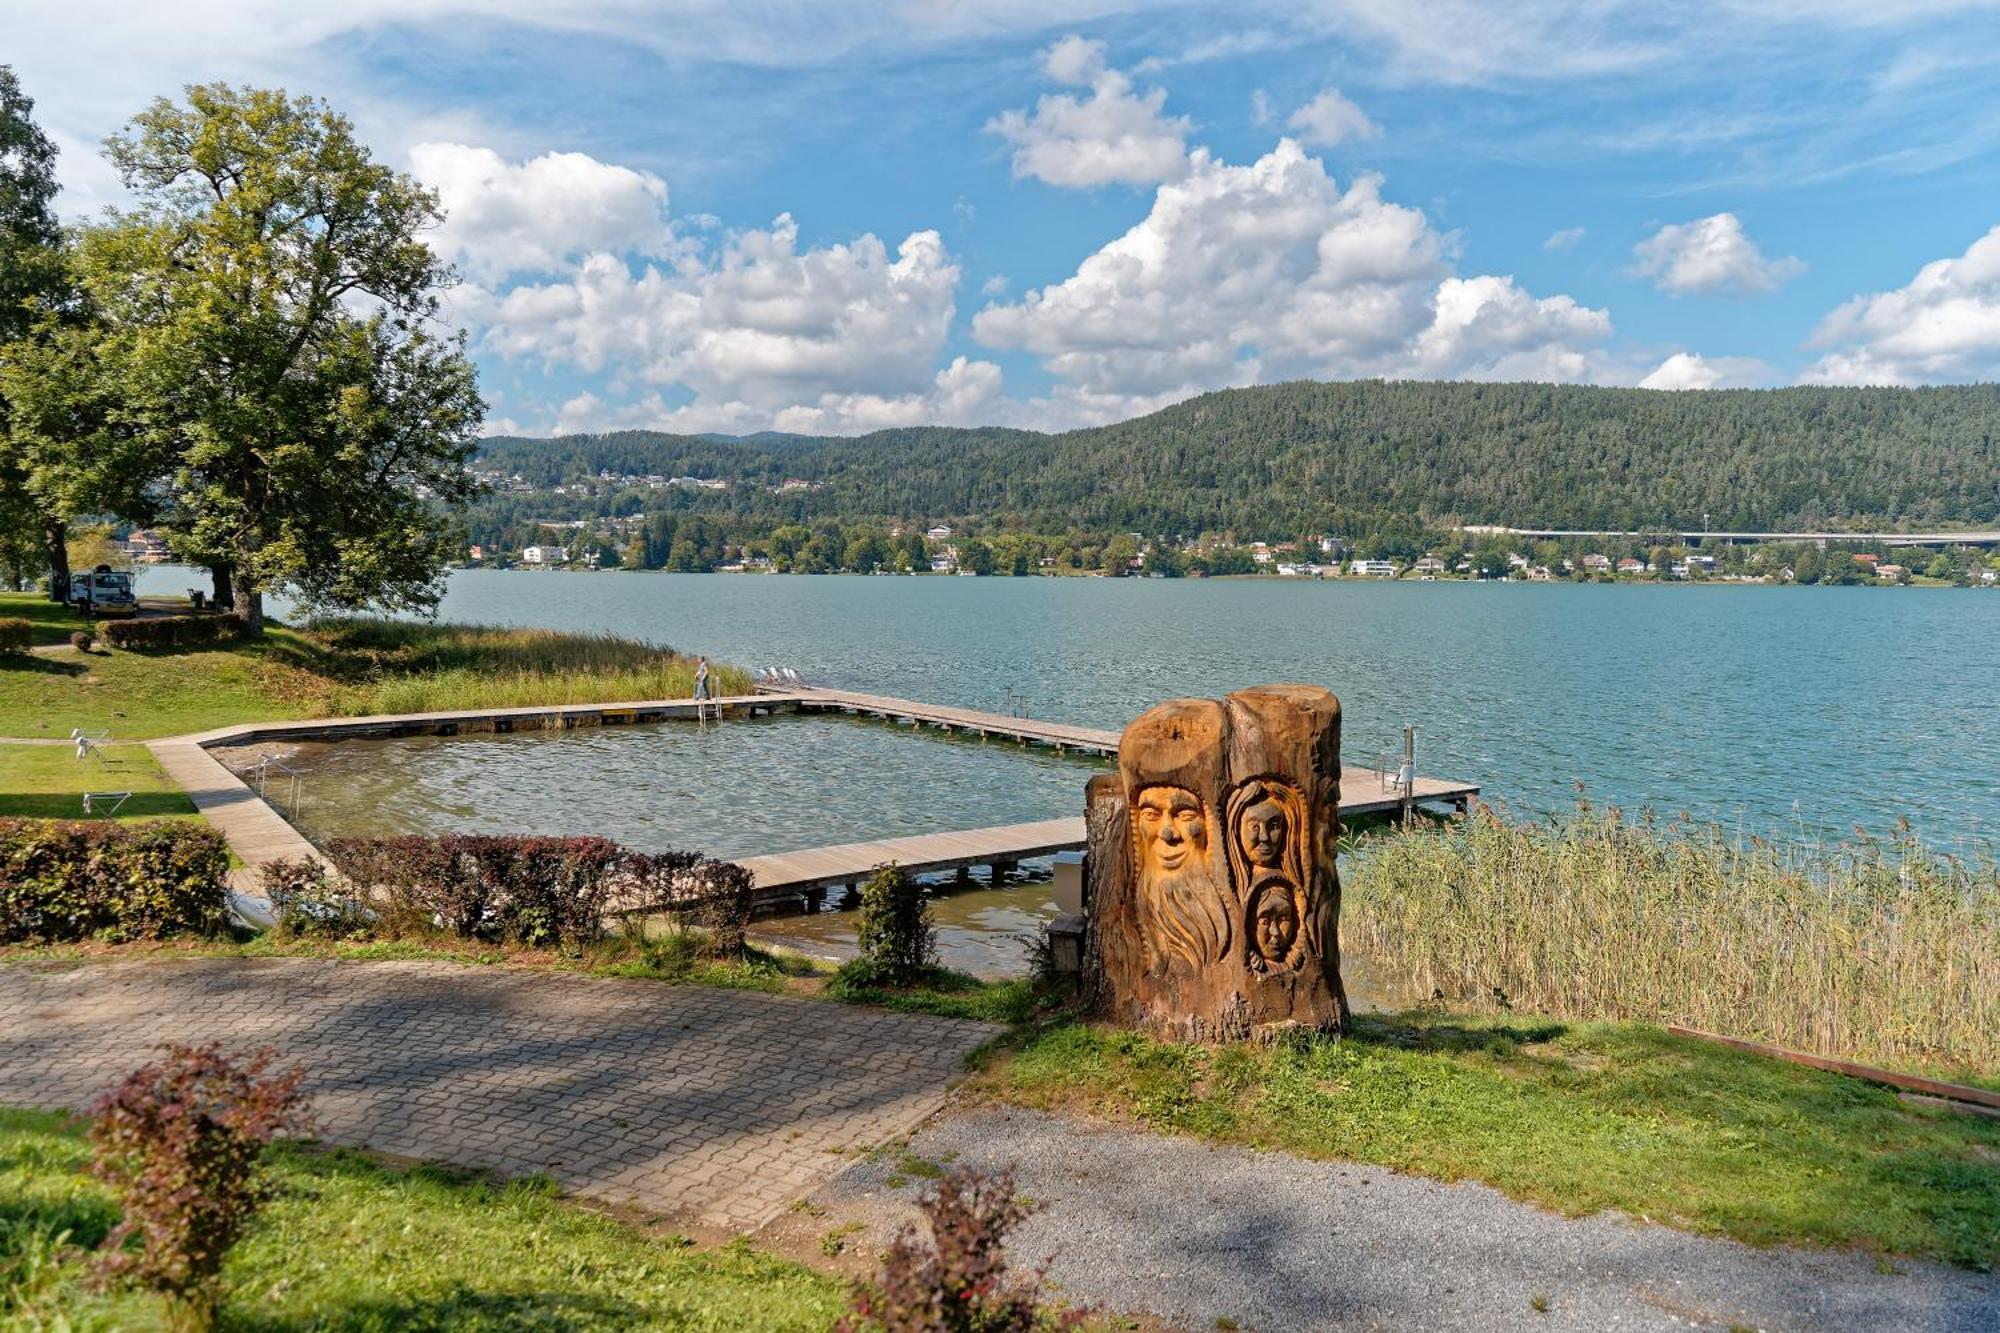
(1214, 903)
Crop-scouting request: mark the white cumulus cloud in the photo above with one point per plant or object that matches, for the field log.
(1271, 270)
(841, 337)
(1115, 136)
(1711, 256)
(1944, 325)
(1331, 119)
(506, 217)
(1692, 370)
(1565, 238)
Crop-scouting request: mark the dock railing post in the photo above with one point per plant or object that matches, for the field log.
(1406, 776)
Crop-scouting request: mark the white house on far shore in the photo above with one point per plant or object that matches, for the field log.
(543, 555)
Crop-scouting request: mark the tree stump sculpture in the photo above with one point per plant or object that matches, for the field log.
(1214, 904)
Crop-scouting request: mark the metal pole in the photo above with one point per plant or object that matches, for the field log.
(1406, 778)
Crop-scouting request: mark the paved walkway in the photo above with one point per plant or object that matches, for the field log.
(1209, 1236)
(721, 1105)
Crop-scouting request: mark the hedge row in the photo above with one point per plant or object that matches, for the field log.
(15, 634)
(169, 631)
(538, 891)
(72, 880)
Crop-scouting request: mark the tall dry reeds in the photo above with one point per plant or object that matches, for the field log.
(1875, 949)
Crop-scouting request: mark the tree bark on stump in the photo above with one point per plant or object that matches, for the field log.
(1214, 901)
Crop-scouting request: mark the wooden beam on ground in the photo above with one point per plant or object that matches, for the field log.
(1957, 1092)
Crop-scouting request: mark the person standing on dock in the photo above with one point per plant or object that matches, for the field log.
(701, 679)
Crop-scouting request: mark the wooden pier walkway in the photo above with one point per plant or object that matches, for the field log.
(1363, 791)
(257, 834)
(1004, 847)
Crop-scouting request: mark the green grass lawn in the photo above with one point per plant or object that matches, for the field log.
(345, 669)
(48, 782)
(51, 622)
(1576, 1117)
(351, 1244)
(135, 695)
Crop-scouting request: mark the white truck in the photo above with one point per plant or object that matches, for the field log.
(103, 591)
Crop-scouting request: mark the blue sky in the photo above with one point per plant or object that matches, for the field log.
(835, 216)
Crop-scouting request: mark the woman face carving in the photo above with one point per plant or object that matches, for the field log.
(1262, 834)
(1277, 925)
(1171, 827)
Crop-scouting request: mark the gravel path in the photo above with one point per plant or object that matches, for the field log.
(1199, 1235)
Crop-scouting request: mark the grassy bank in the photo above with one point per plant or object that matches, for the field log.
(1878, 951)
(340, 668)
(1576, 1117)
(48, 782)
(353, 1244)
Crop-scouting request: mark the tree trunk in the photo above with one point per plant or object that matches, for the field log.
(252, 608)
(1214, 901)
(224, 597)
(55, 535)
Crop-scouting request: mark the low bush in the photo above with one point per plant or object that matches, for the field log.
(15, 634)
(898, 944)
(170, 631)
(710, 901)
(537, 891)
(309, 901)
(181, 1141)
(958, 1282)
(81, 640)
(71, 880)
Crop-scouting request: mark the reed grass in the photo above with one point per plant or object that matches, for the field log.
(394, 666)
(1877, 949)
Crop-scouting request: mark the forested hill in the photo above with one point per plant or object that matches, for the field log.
(1289, 458)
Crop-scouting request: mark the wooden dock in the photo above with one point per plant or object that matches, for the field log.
(1363, 791)
(806, 873)
(257, 834)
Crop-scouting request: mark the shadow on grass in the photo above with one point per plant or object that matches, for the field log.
(36, 664)
(458, 1310)
(69, 805)
(1418, 1032)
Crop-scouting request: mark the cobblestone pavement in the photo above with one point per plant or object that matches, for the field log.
(721, 1105)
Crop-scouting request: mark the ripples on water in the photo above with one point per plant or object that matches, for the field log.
(1813, 710)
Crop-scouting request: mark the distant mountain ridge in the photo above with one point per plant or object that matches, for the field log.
(1290, 458)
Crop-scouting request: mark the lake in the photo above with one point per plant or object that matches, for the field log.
(1764, 707)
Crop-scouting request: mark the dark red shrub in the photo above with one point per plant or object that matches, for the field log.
(713, 897)
(170, 631)
(181, 1140)
(958, 1283)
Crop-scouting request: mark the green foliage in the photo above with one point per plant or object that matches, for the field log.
(170, 631)
(898, 944)
(1581, 1118)
(1872, 950)
(63, 880)
(1279, 460)
(307, 439)
(310, 902)
(16, 634)
(941, 992)
(352, 1243)
(181, 1140)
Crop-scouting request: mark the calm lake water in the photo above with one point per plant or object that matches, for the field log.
(1765, 707)
(1789, 709)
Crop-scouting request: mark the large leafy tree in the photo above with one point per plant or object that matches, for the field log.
(31, 274)
(274, 316)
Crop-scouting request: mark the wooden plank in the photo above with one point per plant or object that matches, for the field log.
(1957, 1092)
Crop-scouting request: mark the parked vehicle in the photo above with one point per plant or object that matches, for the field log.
(104, 591)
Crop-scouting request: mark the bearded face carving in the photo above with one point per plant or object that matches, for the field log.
(1219, 909)
(1177, 889)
